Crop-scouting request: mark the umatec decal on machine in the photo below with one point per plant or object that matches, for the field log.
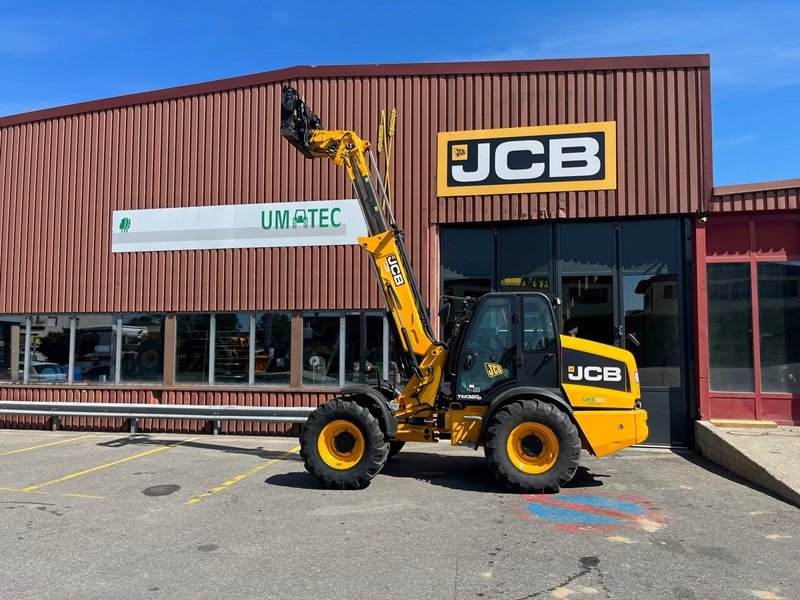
(276, 224)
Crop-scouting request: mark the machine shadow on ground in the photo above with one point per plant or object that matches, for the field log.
(144, 440)
(463, 473)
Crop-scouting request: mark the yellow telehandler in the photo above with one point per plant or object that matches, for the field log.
(503, 379)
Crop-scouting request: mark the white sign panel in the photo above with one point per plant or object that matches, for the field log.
(320, 223)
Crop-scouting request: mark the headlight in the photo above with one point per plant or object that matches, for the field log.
(636, 375)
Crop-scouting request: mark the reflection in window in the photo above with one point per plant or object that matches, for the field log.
(12, 337)
(466, 261)
(587, 307)
(652, 327)
(193, 339)
(779, 320)
(586, 247)
(321, 344)
(272, 350)
(363, 348)
(95, 339)
(232, 348)
(730, 340)
(490, 348)
(142, 359)
(524, 255)
(538, 334)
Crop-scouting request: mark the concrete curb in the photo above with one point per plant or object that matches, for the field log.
(715, 445)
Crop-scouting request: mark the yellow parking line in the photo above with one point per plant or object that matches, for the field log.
(106, 465)
(75, 439)
(8, 489)
(238, 478)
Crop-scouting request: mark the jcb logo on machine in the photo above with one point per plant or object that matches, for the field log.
(394, 268)
(609, 374)
(493, 370)
(579, 156)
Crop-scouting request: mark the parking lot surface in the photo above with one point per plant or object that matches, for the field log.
(96, 515)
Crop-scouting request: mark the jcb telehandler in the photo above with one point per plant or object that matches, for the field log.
(503, 379)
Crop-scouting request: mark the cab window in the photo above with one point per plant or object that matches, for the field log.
(538, 330)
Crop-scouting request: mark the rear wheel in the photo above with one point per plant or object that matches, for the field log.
(532, 446)
(342, 445)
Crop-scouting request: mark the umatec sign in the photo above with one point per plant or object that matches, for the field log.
(579, 156)
(278, 224)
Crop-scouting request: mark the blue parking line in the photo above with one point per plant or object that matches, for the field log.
(606, 503)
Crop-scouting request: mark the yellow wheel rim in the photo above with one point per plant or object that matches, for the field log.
(341, 445)
(532, 448)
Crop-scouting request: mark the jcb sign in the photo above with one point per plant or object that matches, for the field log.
(528, 159)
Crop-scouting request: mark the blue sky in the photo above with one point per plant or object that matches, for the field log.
(54, 53)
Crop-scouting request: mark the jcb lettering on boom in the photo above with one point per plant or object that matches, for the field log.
(394, 268)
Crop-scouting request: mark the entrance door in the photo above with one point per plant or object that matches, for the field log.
(619, 284)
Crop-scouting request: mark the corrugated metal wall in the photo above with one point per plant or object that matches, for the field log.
(61, 178)
(775, 195)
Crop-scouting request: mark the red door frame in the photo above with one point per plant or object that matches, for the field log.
(738, 405)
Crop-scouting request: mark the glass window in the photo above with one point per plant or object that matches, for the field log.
(779, 319)
(12, 337)
(587, 307)
(586, 248)
(232, 348)
(730, 332)
(363, 348)
(321, 343)
(95, 341)
(193, 339)
(524, 256)
(466, 261)
(142, 359)
(488, 358)
(273, 349)
(650, 246)
(538, 332)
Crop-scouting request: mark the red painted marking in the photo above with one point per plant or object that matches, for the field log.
(594, 510)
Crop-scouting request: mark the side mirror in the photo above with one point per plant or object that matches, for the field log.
(555, 300)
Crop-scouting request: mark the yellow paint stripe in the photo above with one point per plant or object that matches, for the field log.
(238, 478)
(8, 489)
(75, 439)
(106, 465)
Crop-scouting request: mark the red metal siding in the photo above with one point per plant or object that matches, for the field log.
(770, 195)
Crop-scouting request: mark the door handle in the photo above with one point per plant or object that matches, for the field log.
(632, 338)
(468, 362)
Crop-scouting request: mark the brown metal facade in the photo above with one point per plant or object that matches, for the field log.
(755, 197)
(64, 170)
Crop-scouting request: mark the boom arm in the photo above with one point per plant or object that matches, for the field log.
(303, 129)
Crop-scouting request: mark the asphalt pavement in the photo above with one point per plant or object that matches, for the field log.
(97, 515)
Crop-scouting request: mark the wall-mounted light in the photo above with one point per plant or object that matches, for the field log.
(702, 216)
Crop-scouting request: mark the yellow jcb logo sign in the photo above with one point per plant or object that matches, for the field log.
(493, 369)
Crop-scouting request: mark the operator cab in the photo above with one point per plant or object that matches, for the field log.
(509, 338)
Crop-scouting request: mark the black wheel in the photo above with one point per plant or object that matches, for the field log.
(342, 445)
(532, 446)
(394, 447)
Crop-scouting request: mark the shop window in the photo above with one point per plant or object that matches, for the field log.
(272, 349)
(95, 341)
(12, 340)
(193, 343)
(779, 321)
(321, 346)
(48, 360)
(466, 261)
(730, 334)
(142, 348)
(586, 248)
(524, 255)
(232, 348)
(587, 308)
(363, 348)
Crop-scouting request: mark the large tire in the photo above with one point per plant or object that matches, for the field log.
(394, 447)
(532, 446)
(342, 445)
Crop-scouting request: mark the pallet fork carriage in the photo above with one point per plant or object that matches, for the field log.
(503, 378)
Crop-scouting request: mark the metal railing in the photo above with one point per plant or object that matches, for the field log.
(134, 412)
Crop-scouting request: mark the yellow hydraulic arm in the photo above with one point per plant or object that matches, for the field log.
(385, 244)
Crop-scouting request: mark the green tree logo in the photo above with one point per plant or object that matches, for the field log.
(125, 225)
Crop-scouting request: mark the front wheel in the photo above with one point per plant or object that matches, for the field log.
(342, 445)
(532, 446)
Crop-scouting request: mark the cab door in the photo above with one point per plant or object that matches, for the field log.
(489, 353)
(539, 343)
